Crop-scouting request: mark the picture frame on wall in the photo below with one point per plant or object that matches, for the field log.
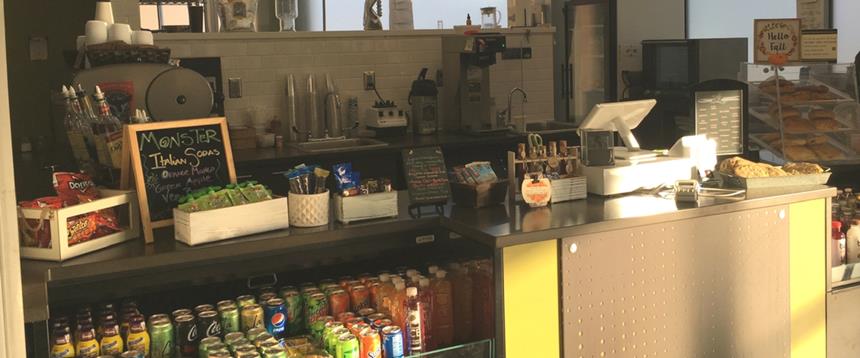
(780, 37)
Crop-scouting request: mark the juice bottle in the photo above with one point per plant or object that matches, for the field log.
(425, 296)
(138, 338)
(462, 283)
(398, 307)
(385, 291)
(414, 325)
(111, 342)
(62, 346)
(442, 316)
(87, 346)
(483, 308)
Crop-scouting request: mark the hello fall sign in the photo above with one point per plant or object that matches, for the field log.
(777, 39)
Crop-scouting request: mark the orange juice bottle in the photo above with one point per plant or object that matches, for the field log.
(398, 306)
(384, 293)
(462, 283)
(442, 316)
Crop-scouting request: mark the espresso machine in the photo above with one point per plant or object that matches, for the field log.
(466, 61)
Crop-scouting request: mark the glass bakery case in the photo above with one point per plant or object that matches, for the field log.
(809, 113)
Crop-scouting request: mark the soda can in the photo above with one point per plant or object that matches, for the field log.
(274, 352)
(266, 289)
(365, 312)
(232, 338)
(203, 308)
(304, 285)
(220, 354)
(370, 344)
(316, 306)
(229, 315)
(318, 326)
(343, 317)
(359, 296)
(161, 338)
(392, 342)
(381, 323)
(347, 346)
(373, 317)
(343, 281)
(266, 296)
(329, 326)
(247, 350)
(252, 316)
(186, 336)
(156, 317)
(181, 312)
(358, 327)
(338, 301)
(245, 300)
(209, 324)
(329, 286)
(269, 343)
(205, 344)
(225, 303)
(363, 277)
(263, 338)
(276, 318)
(131, 354)
(352, 321)
(307, 291)
(332, 338)
(295, 310)
(255, 332)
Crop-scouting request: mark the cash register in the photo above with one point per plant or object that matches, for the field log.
(632, 168)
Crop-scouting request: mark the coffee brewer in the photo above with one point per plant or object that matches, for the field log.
(466, 61)
(424, 101)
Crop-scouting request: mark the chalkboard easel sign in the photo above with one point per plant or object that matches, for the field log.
(426, 176)
(170, 159)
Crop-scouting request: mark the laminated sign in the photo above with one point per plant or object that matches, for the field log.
(777, 40)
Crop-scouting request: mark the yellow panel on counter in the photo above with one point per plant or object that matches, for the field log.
(808, 233)
(531, 300)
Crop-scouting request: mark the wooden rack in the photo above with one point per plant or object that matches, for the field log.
(514, 188)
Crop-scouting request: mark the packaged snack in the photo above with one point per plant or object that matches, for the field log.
(482, 172)
(254, 192)
(82, 228)
(37, 232)
(214, 199)
(188, 204)
(320, 176)
(343, 176)
(235, 196)
(74, 188)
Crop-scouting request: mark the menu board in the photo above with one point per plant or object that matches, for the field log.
(426, 175)
(171, 159)
(718, 116)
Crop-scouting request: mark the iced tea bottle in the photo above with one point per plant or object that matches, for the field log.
(442, 316)
(425, 295)
(414, 324)
(462, 283)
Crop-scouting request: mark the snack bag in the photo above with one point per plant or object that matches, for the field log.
(37, 232)
(75, 188)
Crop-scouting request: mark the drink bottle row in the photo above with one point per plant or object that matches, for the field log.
(389, 314)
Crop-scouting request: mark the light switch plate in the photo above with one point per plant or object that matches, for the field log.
(369, 80)
(234, 87)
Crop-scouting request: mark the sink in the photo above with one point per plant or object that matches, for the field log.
(549, 127)
(336, 145)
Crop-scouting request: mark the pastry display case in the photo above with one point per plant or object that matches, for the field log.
(803, 112)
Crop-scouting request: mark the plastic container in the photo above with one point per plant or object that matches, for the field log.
(309, 210)
(442, 318)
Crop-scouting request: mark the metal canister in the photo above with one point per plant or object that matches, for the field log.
(276, 318)
(186, 336)
(246, 351)
(209, 324)
(229, 315)
(338, 301)
(329, 327)
(224, 303)
(392, 342)
(295, 310)
(162, 338)
(252, 316)
(245, 300)
(205, 344)
(316, 306)
(204, 307)
(358, 327)
(347, 346)
(156, 317)
(262, 338)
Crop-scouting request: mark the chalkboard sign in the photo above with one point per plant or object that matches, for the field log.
(171, 159)
(426, 176)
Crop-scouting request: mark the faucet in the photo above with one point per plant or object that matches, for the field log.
(510, 114)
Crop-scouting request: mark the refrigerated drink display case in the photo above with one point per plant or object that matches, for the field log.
(808, 114)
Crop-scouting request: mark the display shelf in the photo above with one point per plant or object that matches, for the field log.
(479, 349)
(845, 275)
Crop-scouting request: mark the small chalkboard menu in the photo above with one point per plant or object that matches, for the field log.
(170, 159)
(426, 176)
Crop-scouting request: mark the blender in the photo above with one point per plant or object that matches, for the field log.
(490, 17)
(287, 11)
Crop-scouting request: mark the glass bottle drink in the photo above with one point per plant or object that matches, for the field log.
(425, 296)
(110, 342)
(462, 285)
(442, 316)
(87, 346)
(62, 346)
(110, 122)
(837, 247)
(138, 338)
(414, 323)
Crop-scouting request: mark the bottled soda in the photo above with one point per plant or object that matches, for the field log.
(62, 346)
(414, 321)
(110, 342)
(442, 330)
(138, 338)
(87, 346)
(462, 289)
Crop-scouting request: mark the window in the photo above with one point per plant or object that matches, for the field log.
(173, 15)
(733, 18)
(348, 15)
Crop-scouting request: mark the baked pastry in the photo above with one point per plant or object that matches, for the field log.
(797, 125)
(812, 89)
(743, 168)
(802, 168)
(788, 142)
(826, 124)
(769, 137)
(800, 153)
(827, 152)
(821, 114)
(817, 139)
(787, 111)
(769, 86)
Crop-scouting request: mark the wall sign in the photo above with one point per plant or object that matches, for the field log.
(814, 14)
(777, 37)
(170, 159)
(819, 45)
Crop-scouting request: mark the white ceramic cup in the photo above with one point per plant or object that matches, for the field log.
(142, 37)
(119, 32)
(97, 32)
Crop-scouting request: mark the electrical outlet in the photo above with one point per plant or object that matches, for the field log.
(234, 87)
(630, 51)
(369, 80)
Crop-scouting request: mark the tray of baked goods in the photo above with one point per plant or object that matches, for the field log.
(737, 172)
(807, 91)
(806, 118)
(818, 148)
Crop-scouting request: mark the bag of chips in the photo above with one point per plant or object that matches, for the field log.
(75, 188)
(37, 232)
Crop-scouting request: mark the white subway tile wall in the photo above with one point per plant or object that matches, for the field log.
(264, 63)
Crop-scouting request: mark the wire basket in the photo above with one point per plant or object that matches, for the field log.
(118, 52)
